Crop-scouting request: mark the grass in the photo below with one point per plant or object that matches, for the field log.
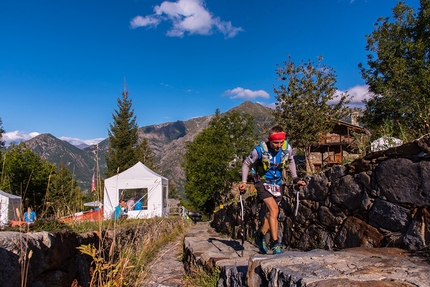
(128, 262)
(125, 259)
(202, 278)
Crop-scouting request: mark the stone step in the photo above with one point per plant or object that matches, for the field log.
(349, 267)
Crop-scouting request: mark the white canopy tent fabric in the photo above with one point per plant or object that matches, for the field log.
(137, 182)
(9, 203)
(94, 204)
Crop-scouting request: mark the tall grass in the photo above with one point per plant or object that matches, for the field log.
(127, 263)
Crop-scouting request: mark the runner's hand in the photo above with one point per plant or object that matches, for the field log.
(242, 187)
(301, 183)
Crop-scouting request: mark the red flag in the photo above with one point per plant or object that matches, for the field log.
(93, 184)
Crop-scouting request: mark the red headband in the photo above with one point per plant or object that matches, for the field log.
(277, 137)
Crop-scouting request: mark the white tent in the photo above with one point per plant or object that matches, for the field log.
(138, 183)
(8, 205)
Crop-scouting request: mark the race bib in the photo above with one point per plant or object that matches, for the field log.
(274, 189)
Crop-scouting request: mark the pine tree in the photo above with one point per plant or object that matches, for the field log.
(2, 143)
(144, 155)
(125, 150)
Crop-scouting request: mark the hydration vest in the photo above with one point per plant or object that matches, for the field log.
(263, 164)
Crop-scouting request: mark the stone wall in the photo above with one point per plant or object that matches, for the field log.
(46, 259)
(380, 200)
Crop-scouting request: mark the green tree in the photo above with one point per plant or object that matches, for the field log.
(398, 73)
(173, 190)
(144, 154)
(27, 175)
(125, 150)
(64, 197)
(213, 160)
(308, 106)
(2, 142)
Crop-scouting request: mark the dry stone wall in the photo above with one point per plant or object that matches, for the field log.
(380, 200)
(46, 259)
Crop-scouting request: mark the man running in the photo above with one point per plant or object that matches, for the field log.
(268, 160)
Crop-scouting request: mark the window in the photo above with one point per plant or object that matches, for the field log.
(136, 198)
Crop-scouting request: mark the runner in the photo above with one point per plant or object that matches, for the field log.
(268, 160)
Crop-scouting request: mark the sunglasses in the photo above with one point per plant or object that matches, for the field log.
(281, 142)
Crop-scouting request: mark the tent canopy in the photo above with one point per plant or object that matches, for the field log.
(94, 203)
(9, 203)
(141, 181)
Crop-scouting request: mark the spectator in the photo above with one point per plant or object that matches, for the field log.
(30, 216)
(138, 205)
(130, 204)
(120, 210)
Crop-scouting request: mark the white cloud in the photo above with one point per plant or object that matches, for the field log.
(269, 105)
(241, 93)
(358, 94)
(227, 28)
(186, 16)
(140, 21)
(18, 136)
(77, 142)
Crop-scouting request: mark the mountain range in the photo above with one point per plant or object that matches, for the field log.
(167, 142)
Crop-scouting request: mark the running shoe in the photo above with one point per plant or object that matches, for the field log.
(277, 248)
(261, 243)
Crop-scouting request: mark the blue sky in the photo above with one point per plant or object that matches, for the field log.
(63, 63)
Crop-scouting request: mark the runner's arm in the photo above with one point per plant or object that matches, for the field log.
(247, 163)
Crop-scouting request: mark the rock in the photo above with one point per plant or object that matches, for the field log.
(390, 267)
(41, 254)
(390, 216)
(387, 193)
(349, 267)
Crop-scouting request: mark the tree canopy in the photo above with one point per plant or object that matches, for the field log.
(398, 73)
(2, 143)
(125, 150)
(308, 105)
(26, 174)
(213, 160)
(64, 197)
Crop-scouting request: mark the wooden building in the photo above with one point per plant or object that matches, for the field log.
(344, 143)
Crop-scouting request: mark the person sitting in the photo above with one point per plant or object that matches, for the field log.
(130, 204)
(120, 210)
(138, 205)
(30, 216)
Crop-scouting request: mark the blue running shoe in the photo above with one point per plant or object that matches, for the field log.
(261, 243)
(277, 248)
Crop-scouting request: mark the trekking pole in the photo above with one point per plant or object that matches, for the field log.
(242, 225)
(297, 190)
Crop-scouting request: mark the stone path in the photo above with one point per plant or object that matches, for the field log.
(167, 270)
(359, 267)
